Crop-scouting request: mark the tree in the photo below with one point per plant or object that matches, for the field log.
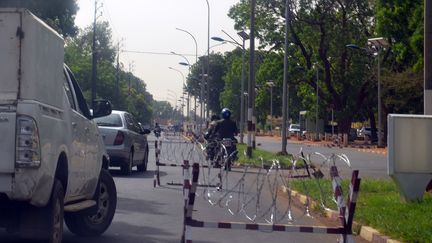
(401, 22)
(60, 15)
(129, 93)
(230, 96)
(215, 81)
(320, 30)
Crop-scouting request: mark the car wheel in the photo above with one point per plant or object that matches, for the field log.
(126, 168)
(143, 167)
(93, 225)
(55, 213)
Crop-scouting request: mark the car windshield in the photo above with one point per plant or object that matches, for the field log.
(113, 120)
(295, 126)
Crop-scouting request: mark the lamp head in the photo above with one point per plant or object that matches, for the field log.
(217, 39)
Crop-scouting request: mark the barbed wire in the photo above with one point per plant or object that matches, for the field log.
(254, 192)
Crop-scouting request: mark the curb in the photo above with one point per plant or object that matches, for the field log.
(366, 232)
(360, 148)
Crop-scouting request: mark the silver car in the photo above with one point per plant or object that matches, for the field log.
(125, 141)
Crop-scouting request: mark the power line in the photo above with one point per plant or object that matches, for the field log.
(155, 53)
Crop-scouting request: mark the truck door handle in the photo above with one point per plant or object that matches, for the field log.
(86, 129)
(74, 124)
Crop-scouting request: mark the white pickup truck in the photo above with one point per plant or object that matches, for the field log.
(53, 164)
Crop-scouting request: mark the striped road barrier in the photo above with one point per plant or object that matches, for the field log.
(346, 212)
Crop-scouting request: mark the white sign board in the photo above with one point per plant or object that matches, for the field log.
(410, 154)
(409, 144)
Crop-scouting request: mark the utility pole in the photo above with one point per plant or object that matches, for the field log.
(251, 85)
(285, 92)
(244, 37)
(94, 60)
(208, 60)
(131, 66)
(317, 104)
(118, 73)
(202, 98)
(428, 57)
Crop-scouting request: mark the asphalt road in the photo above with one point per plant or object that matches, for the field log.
(148, 214)
(369, 164)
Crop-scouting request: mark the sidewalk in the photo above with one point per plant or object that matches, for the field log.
(359, 147)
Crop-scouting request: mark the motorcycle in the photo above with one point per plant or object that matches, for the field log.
(157, 133)
(231, 151)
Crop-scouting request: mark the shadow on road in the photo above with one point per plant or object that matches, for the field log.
(135, 174)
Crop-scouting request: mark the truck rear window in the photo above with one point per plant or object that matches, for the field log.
(113, 120)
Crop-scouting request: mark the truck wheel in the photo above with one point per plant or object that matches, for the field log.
(55, 213)
(94, 225)
(143, 167)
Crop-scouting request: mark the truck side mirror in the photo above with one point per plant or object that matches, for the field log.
(101, 108)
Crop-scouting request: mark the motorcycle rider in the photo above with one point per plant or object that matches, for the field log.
(157, 130)
(227, 129)
(210, 136)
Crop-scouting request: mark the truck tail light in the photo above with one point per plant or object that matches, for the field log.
(27, 154)
(119, 139)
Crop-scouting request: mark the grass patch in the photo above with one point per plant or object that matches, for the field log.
(380, 207)
(285, 160)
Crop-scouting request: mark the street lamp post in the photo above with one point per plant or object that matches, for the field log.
(378, 43)
(188, 96)
(285, 85)
(183, 80)
(251, 84)
(271, 84)
(244, 36)
(208, 59)
(317, 102)
(94, 57)
(202, 82)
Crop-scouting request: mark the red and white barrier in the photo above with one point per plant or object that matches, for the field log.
(346, 212)
(156, 178)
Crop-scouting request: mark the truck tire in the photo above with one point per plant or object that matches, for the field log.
(126, 168)
(55, 213)
(93, 225)
(143, 167)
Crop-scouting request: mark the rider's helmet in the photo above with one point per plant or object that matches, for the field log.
(226, 113)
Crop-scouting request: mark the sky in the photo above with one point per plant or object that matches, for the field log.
(150, 26)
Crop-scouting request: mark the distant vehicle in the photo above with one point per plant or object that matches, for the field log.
(352, 135)
(125, 141)
(294, 129)
(367, 132)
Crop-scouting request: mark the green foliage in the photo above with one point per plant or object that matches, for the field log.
(60, 15)
(231, 94)
(128, 92)
(401, 21)
(266, 156)
(318, 31)
(162, 110)
(403, 92)
(215, 81)
(380, 207)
